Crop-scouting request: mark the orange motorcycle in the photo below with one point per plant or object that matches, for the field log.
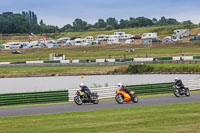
(122, 96)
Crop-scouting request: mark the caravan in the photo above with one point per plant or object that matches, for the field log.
(113, 41)
(15, 45)
(102, 37)
(149, 35)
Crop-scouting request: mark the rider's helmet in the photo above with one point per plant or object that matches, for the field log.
(119, 85)
(81, 84)
(176, 79)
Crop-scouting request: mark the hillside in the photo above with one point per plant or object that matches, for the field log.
(161, 30)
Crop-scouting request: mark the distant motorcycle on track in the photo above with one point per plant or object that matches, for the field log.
(82, 97)
(179, 92)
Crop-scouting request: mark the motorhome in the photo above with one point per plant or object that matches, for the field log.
(149, 35)
(113, 41)
(181, 32)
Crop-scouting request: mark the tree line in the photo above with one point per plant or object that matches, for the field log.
(27, 22)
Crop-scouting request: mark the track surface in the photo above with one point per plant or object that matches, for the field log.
(61, 108)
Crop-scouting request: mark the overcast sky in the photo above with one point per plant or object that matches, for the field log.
(62, 12)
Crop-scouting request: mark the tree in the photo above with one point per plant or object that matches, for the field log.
(123, 24)
(112, 22)
(79, 25)
(187, 22)
(67, 28)
(100, 24)
(155, 21)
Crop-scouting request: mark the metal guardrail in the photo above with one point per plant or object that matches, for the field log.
(34, 97)
(104, 92)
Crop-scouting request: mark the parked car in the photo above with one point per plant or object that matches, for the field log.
(16, 52)
(136, 37)
(156, 40)
(129, 41)
(167, 39)
(195, 38)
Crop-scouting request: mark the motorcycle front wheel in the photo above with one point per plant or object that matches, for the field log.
(78, 100)
(176, 93)
(119, 99)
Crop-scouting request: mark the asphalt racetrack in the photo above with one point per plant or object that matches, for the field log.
(72, 107)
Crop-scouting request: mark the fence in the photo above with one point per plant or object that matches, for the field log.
(34, 97)
(152, 88)
(185, 58)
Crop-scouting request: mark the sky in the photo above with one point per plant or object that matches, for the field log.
(62, 12)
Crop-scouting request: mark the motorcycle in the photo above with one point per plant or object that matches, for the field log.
(179, 92)
(122, 96)
(82, 97)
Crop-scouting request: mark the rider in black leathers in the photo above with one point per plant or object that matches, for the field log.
(179, 83)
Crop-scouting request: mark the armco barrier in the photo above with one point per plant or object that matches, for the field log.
(104, 92)
(34, 97)
(152, 88)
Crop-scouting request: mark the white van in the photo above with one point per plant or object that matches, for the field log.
(113, 41)
(149, 35)
(78, 42)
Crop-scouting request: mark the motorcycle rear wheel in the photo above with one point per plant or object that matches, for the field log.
(134, 98)
(95, 101)
(187, 93)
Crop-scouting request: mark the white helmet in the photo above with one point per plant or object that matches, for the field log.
(176, 79)
(81, 84)
(119, 85)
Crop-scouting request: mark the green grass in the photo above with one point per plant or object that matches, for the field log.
(54, 70)
(177, 118)
(102, 52)
(22, 71)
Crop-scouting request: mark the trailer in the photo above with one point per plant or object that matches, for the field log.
(149, 35)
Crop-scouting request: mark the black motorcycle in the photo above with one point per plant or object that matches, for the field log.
(179, 92)
(82, 97)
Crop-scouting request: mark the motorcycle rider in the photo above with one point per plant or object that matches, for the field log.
(86, 90)
(123, 88)
(179, 83)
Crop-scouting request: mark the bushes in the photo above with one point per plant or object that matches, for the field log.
(139, 69)
(160, 68)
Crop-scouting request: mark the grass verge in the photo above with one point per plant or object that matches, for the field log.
(165, 118)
